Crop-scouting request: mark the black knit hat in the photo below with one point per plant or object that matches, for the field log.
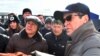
(76, 7)
(27, 10)
(12, 17)
(58, 16)
(48, 20)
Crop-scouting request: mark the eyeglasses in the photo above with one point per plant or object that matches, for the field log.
(69, 17)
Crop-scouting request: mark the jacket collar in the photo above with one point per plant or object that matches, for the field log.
(38, 36)
(83, 32)
(61, 36)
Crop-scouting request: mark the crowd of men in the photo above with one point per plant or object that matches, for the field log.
(70, 33)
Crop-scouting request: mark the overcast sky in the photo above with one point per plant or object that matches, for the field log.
(46, 7)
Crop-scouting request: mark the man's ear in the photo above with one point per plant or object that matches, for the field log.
(85, 18)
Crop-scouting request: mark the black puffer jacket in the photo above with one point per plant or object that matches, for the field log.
(3, 42)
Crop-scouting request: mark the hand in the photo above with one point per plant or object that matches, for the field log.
(13, 54)
(20, 54)
(7, 54)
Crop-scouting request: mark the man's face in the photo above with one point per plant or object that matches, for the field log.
(31, 27)
(48, 26)
(42, 19)
(73, 22)
(26, 14)
(57, 29)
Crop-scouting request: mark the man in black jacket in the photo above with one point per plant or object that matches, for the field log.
(47, 26)
(57, 39)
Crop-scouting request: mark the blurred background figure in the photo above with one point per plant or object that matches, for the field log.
(57, 39)
(26, 12)
(3, 39)
(41, 17)
(47, 26)
(13, 24)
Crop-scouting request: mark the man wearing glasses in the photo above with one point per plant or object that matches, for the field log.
(79, 26)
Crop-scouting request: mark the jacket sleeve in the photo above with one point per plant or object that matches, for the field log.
(92, 52)
(92, 46)
(45, 47)
(10, 46)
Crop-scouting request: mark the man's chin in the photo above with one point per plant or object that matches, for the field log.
(68, 33)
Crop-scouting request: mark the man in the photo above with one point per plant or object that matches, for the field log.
(57, 39)
(85, 38)
(29, 39)
(47, 26)
(41, 17)
(26, 12)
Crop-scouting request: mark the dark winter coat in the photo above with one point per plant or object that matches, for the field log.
(3, 42)
(56, 45)
(21, 42)
(43, 31)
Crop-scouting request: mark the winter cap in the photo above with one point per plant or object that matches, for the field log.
(48, 20)
(76, 7)
(27, 10)
(34, 19)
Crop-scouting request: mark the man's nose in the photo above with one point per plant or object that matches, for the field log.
(66, 23)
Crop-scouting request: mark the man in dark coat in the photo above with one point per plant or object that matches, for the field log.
(57, 39)
(26, 12)
(29, 39)
(47, 26)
